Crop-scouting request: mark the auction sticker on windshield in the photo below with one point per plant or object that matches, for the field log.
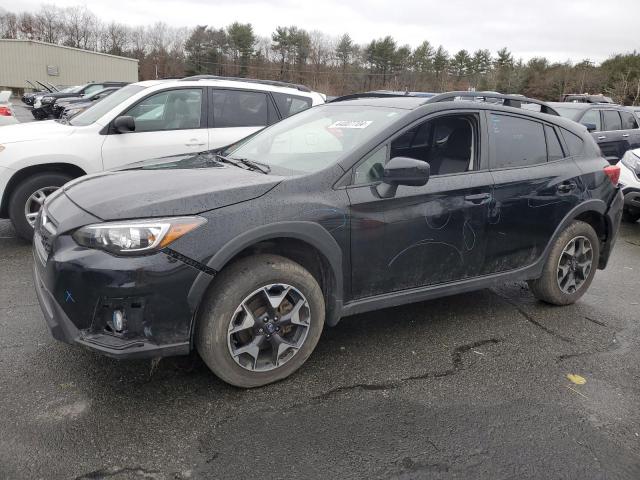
(350, 124)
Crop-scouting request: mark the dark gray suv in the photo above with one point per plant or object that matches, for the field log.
(356, 205)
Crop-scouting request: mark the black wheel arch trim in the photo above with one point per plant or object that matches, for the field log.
(309, 232)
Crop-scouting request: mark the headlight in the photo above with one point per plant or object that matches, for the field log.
(632, 161)
(136, 237)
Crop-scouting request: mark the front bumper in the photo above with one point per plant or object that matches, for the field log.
(5, 176)
(79, 289)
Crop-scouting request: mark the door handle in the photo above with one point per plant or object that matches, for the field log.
(477, 198)
(602, 137)
(625, 135)
(566, 187)
(194, 144)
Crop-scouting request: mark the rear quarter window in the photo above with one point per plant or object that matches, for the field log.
(574, 143)
(290, 104)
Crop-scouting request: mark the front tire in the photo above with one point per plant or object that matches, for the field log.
(261, 321)
(570, 266)
(27, 199)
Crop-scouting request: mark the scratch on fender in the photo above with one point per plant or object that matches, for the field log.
(426, 241)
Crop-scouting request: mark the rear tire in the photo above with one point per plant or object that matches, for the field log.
(44, 182)
(566, 277)
(240, 302)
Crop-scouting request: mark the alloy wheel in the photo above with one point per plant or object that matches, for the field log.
(269, 327)
(575, 264)
(34, 203)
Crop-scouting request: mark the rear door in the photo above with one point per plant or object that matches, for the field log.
(170, 122)
(236, 114)
(537, 183)
(611, 140)
(630, 130)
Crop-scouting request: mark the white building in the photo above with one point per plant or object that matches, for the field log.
(22, 60)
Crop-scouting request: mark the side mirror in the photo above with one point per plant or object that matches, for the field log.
(124, 124)
(591, 127)
(403, 171)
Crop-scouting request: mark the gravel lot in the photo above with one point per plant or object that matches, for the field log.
(473, 386)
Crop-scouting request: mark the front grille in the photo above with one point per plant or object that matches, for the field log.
(46, 230)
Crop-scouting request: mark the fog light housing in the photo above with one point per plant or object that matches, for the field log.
(118, 321)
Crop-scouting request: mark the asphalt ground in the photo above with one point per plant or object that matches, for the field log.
(473, 386)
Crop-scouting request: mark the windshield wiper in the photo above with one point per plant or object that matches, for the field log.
(245, 163)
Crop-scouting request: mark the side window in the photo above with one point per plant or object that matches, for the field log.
(238, 108)
(169, 110)
(447, 143)
(371, 169)
(516, 142)
(554, 148)
(592, 117)
(628, 121)
(574, 143)
(612, 120)
(93, 89)
(290, 104)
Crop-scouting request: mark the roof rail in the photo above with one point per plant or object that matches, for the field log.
(507, 100)
(274, 83)
(377, 94)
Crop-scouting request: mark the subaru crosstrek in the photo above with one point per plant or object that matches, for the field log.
(245, 255)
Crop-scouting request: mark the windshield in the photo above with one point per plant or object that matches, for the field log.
(316, 138)
(92, 114)
(572, 113)
(72, 89)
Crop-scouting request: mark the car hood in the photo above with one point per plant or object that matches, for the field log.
(34, 131)
(166, 192)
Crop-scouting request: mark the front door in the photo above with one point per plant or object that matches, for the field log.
(423, 235)
(611, 140)
(171, 122)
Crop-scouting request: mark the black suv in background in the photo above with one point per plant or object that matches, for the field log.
(613, 127)
(43, 106)
(343, 208)
(585, 98)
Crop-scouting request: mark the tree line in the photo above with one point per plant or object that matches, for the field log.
(331, 65)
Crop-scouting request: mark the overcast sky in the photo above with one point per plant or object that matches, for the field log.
(558, 29)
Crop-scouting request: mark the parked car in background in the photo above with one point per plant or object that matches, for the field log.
(7, 116)
(585, 98)
(630, 184)
(43, 106)
(28, 98)
(78, 104)
(615, 128)
(140, 121)
(345, 208)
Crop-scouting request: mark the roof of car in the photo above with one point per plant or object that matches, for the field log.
(455, 99)
(232, 82)
(583, 105)
(404, 102)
